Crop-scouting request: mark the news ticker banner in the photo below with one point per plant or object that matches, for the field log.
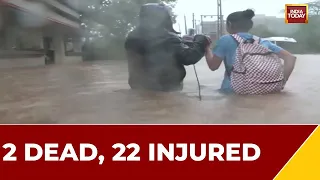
(160, 151)
(296, 13)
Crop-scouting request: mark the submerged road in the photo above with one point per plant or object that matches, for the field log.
(97, 92)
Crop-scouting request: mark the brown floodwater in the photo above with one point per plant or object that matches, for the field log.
(98, 93)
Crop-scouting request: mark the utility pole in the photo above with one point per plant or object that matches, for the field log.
(193, 21)
(201, 23)
(219, 23)
(220, 19)
(185, 24)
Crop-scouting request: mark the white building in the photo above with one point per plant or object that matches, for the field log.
(210, 28)
(29, 30)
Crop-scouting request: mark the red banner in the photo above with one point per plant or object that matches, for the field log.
(147, 151)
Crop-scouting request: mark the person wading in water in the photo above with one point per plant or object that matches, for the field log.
(156, 53)
(239, 24)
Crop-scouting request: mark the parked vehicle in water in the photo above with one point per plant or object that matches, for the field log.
(280, 39)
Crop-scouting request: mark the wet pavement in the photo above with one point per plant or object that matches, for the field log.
(97, 92)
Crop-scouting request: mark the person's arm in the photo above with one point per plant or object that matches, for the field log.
(213, 60)
(289, 62)
(187, 55)
(215, 57)
(288, 58)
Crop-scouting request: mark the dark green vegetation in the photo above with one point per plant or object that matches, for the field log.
(118, 17)
(307, 35)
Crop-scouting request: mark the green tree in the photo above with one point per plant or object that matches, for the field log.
(118, 17)
(313, 7)
(262, 31)
(308, 35)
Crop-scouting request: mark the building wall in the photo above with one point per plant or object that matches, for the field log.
(62, 7)
(72, 59)
(211, 27)
(59, 47)
(18, 39)
(41, 9)
(21, 62)
(22, 39)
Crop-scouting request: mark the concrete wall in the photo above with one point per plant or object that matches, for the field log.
(34, 62)
(40, 10)
(60, 53)
(16, 36)
(72, 59)
(210, 27)
(62, 7)
(22, 62)
(59, 49)
(34, 39)
(31, 39)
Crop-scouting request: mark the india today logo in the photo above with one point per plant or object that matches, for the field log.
(296, 13)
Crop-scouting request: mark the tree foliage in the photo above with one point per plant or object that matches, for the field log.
(314, 8)
(116, 19)
(262, 30)
(307, 35)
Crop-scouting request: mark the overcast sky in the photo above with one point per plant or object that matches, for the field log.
(267, 7)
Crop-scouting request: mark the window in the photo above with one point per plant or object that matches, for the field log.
(73, 46)
(15, 38)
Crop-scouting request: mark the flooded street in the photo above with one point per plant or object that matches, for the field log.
(97, 92)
